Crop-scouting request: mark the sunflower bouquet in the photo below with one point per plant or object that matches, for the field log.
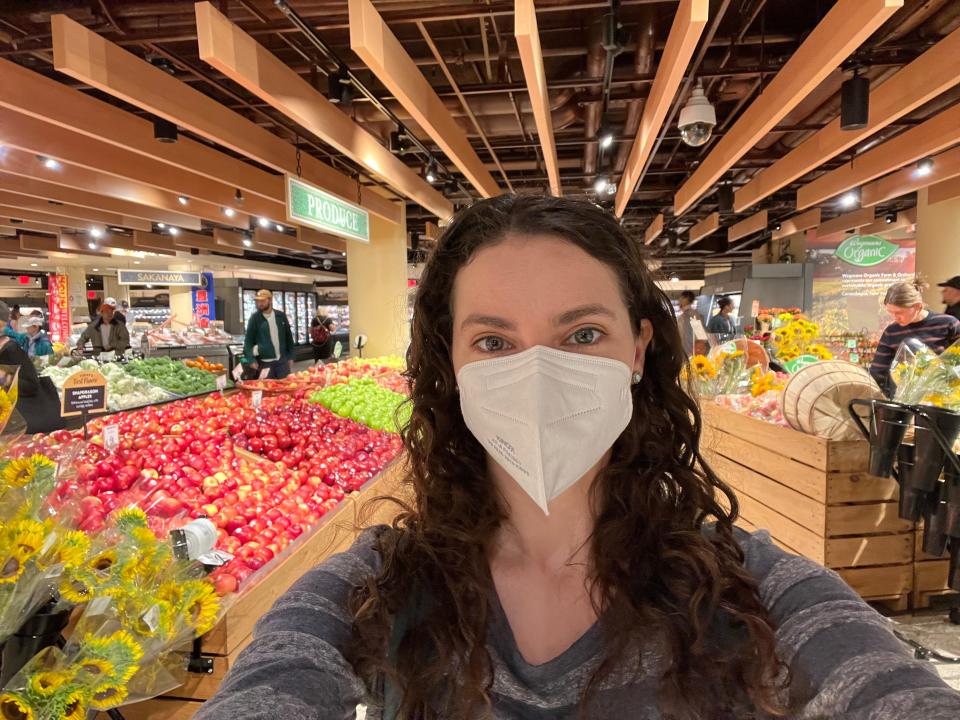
(140, 603)
(718, 374)
(797, 338)
(923, 377)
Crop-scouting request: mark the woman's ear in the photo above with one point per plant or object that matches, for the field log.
(644, 338)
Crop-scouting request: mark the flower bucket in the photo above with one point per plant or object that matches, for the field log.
(934, 529)
(936, 431)
(912, 501)
(952, 493)
(888, 424)
(954, 577)
(40, 631)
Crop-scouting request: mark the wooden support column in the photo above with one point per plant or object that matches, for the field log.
(377, 285)
(937, 256)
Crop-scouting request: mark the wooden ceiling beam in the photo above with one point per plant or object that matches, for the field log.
(73, 212)
(654, 230)
(92, 59)
(279, 240)
(17, 162)
(39, 243)
(923, 140)
(233, 52)
(847, 221)
(188, 240)
(61, 193)
(45, 228)
(77, 246)
(944, 190)
(54, 220)
(531, 58)
(315, 238)
(709, 225)
(842, 30)
(46, 99)
(688, 25)
(748, 226)
(154, 242)
(35, 136)
(798, 223)
(945, 166)
(379, 49)
(931, 74)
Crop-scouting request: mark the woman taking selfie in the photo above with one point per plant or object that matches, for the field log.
(567, 552)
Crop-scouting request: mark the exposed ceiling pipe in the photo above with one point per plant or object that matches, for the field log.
(596, 58)
(642, 64)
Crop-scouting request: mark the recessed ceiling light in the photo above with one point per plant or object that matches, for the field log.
(263, 222)
(674, 279)
(96, 232)
(924, 167)
(279, 227)
(136, 262)
(344, 254)
(183, 199)
(247, 242)
(50, 163)
(92, 245)
(229, 212)
(149, 286)
(848, 200)
(174, 231)
(161, 225)
(33, 264)
(96, 269)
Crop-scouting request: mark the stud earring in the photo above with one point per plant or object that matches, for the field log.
(637, 377)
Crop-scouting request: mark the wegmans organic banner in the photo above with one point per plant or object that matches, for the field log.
(852, 274)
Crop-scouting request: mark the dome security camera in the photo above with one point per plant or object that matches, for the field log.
(327, 264)
(697, 118)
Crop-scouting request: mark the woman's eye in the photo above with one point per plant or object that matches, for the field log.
(491, 344)
(586, 336)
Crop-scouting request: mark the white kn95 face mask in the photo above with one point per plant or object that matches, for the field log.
(546, 416)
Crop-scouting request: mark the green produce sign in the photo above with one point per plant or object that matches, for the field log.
(866, 250)
(309, 205)
(801, 362)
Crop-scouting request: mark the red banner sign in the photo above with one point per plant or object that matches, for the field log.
(58, 306)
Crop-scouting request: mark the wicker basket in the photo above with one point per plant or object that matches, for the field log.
(815, 399)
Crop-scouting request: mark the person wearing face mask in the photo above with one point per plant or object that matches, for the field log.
(950, 294)
(911, 321)
(554, 561)
(268, 331)
(108, 332)
(38, 402)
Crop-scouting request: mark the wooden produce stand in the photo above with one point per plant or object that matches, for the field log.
(335, 533)
(817, 499)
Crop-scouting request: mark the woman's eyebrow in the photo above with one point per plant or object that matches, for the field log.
(488, 321)
(571, 316)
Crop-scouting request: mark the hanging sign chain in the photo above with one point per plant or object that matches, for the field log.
(297, 140)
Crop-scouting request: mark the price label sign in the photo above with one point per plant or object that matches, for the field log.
(852, 343)
(84, 392)
(108, 356)
(221, 382)
(698, 331)
(237, 373)
(854, 358)
(256, 397)
(264, 373)
(111, 437)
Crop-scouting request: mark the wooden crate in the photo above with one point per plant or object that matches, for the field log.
(816, 499)
(335, 533)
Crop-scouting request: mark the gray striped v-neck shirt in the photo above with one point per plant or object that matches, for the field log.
(295, 668)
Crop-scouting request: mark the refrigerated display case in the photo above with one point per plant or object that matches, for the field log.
(298, 305)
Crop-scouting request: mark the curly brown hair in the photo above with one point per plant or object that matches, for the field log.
(652, 565)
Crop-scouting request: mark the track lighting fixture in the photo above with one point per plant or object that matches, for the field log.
(854, 102)
(924, 167)
(164, 131)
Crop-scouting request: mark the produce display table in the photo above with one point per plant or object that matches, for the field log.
(335, 533)
(817, 499)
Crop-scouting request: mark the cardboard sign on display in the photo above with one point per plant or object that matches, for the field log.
(237, 372)
(221, 382)
(84, 392)
(111, 437)
(256, 397)
(699, 333)
(264, 373)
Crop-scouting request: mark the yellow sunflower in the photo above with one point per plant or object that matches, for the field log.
(6, 408)
(75, 705)
(97, 668)
(78, 587)
(108, 695)
(14, 706)
(820, 351)
(72, 549)
(48, 683)
(104, 561)
(18, 472)
(129, 518)
(120, 648)
(200, 605)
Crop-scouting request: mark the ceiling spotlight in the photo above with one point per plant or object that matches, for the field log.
(890, 218)
(777, 226)
(674, 279)
(164, 131)
(247, 242)
(183, 199)
(229, 212)
(279, 227)
(238, 196)
(343, 254)
(601, 185)
(174, 231)
(263, 222)
(149, 286)
(396, 143)
(854, 102)
(33, 264)
(96, 269)
(848, 200)
(313, 266)
(49, 163)
(161, 225)
(431, 174)
(697, 118)
(924, 167)
(605, 137)
(136, 262)
(92, 245)
(96, 232)
(725, 198)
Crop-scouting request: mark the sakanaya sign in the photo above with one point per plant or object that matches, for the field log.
(309, 205)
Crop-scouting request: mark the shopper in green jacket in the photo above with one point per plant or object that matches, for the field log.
(268, 330)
